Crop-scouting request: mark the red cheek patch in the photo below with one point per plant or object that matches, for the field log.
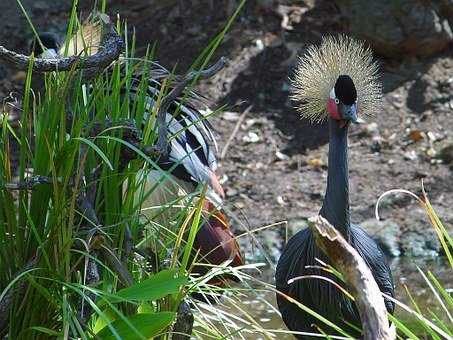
(332, 108)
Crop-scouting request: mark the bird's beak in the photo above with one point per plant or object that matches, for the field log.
(349, 113)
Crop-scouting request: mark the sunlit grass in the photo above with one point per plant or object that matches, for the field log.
(435, 324)
(66, 271)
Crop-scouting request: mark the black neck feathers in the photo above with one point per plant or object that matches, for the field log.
(335, 207)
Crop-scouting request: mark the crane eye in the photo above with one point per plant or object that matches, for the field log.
(337, 101)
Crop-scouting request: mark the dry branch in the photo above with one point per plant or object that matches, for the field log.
(358, 276)
(28, 183)
(111, 47)
(235, 131)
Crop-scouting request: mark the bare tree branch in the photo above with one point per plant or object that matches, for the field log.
(358, 276)
(115, 263)
(111, 47)
(28, 183)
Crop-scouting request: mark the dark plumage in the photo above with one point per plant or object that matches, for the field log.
(321, 296)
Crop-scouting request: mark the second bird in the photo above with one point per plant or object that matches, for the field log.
(335, 81)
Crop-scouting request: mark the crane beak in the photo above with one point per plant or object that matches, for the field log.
(349, 112)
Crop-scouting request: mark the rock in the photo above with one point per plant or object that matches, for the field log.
(259, 44)
(19, 76)
(230, 192)
(431, 152)
(376, 145)
(290, 15)
(281, 156)
(230, 116)
(239, 205)
(251, 137)
(420, 245)
(397, 28)
(446, 154)
(370, 130)
(281, 201)
(410, 155)
(386, 233)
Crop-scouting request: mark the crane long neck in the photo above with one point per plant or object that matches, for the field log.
(335, 207)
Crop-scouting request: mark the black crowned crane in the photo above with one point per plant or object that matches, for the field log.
(336, 81)
(191, 156)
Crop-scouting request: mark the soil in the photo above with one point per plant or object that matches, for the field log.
(276, 165)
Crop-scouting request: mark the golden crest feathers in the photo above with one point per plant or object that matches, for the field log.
(86, 40)
(319, 69)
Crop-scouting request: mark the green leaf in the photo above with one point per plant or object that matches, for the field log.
(97, 150)
(157, 286)
(46, 331)
(400, 325)
(144, 326)
(101, 322)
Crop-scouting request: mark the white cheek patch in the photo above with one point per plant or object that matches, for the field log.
(49, 54)
(332, 93)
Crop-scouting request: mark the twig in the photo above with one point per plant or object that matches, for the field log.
(110, 49)
(358, 276)
(128, 126)
(91, 278)
(114, 263)
(162, 143)
(28, 183)
(235, 131)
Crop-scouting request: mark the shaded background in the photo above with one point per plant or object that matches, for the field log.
(275, 168)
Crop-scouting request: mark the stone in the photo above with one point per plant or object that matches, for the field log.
(386, 233)
(396, 28)
(415, 244)
(446, 154)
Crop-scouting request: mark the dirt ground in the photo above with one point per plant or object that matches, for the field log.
(276, 165)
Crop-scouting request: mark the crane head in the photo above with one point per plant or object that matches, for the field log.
(342, 102)
(337, 80)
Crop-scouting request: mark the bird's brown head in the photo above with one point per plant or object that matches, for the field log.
(337, 80)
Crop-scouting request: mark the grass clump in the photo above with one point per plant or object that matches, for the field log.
(79, 259)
